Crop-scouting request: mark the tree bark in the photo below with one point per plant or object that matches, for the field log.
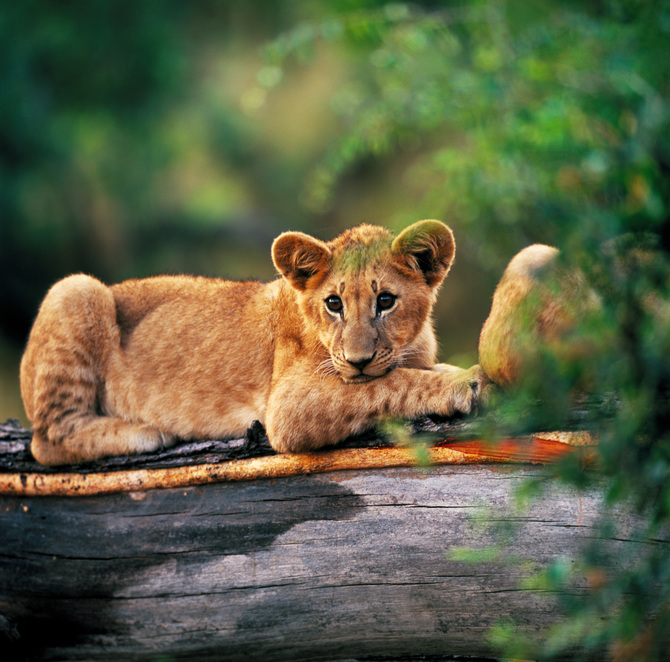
(337, 555)
(337, 566)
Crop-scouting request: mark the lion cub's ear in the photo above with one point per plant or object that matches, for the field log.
(428, 247)
(298, 257)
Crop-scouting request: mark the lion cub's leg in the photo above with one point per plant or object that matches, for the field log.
(93, 438)
(303, 414)
(447, 369)
(74, 338)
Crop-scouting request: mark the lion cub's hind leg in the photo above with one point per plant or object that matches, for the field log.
(95, 437)
(74, 338)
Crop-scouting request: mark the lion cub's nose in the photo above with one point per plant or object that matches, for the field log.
(360, 364)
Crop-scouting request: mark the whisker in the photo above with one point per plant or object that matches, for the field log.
(408, 352)
(325, 368)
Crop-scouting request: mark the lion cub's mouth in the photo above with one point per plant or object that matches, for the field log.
(364, 376)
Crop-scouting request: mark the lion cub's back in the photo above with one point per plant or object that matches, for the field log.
(194, 351)
(189, 323)
(177, 298)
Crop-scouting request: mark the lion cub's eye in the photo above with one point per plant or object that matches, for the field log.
(385, 301)
(334, 303)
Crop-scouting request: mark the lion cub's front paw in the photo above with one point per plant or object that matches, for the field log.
(447, 369)
(473, 389)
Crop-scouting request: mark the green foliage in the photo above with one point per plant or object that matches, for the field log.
(121, 143)
(474, 555)
(540, 122)
(532, 122)
(399, 432)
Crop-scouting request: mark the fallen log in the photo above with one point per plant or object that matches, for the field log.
(341, 555)
(196, 463)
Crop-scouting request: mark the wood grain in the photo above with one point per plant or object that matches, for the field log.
(336, 566)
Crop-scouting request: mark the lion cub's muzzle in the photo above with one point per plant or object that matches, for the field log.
(364, 368)
(358, 367)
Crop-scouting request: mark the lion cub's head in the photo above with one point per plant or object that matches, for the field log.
(368, 296)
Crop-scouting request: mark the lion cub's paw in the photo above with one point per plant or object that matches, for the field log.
(473, 389)
(447, 369)
(149, 440)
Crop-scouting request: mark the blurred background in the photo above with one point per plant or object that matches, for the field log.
(163, 136)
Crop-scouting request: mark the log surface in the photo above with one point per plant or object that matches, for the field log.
(15, 456)
(304, 565)
(346, 565)
(202, 462)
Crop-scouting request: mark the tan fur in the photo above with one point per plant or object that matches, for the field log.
(537, 307)
(136, 366)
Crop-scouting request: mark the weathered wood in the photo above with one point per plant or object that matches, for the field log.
(21, 475)
(338, 566)
(15, 441)
(343, 565)
(276, 466)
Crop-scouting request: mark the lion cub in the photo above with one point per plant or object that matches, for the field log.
(342, 339)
